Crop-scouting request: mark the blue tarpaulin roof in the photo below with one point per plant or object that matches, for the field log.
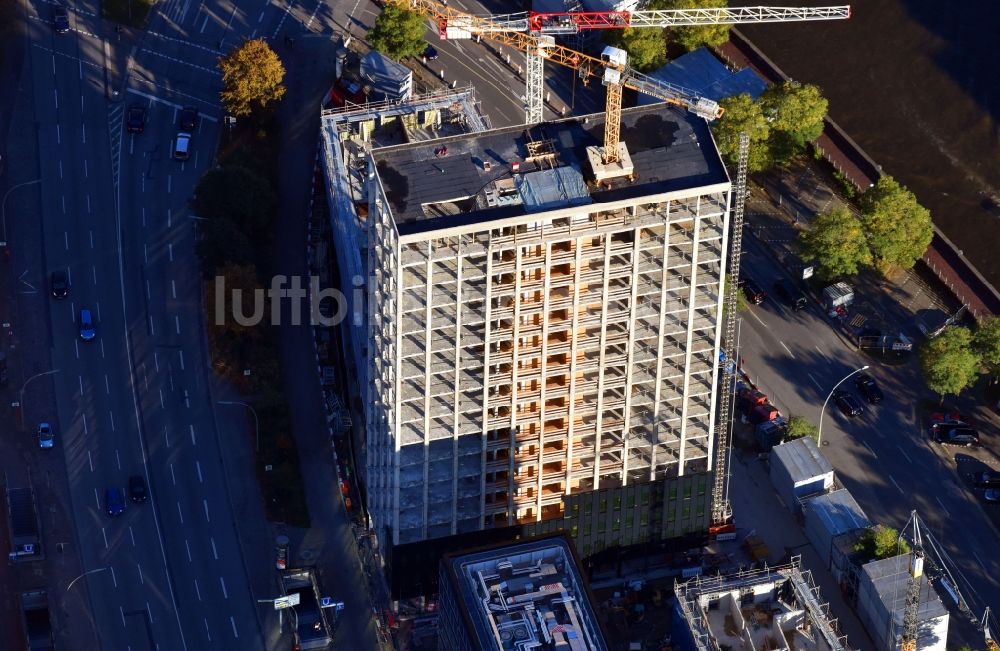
(704, 74)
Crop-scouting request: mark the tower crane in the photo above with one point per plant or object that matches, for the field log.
(533, 33)
(912, 603)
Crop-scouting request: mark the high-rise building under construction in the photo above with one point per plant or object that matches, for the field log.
(540, 341)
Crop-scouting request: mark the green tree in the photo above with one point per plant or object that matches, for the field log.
(743, 114)
(836, 242)
(234, 192)
(398, 32)
(646, 46)
(252, 77)
(899, 229)
(241, 281)
(694, 37)
(949, 362)
(986, 342)
(880, 542)
(796, 113)
(222, 242)
(800, 427)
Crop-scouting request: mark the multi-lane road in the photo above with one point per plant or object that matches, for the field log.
(885, 456)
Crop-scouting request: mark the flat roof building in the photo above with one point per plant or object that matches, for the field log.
(774, 608)
(882, 593)
(532, 331)
(520, 596)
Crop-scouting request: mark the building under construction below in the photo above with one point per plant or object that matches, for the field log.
(774, 608)
(536, 334)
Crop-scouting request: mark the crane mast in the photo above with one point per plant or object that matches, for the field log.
(912, 604)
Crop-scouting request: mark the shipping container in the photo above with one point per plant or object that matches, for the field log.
(799, 470)
(829, 515)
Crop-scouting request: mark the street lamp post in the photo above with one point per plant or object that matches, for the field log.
(20, 401)
(256, 422)
(819, 434)
(3, 207)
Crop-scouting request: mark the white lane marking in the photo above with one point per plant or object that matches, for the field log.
(90, 460)
(107, 385)
(76, 344)
(818, 385)
(60, 170)
(152, 328)
(150, 611)
(179, 513)
(204, 503)
(80, 378)
(85, 423)
(196, 158)
(72, 305)
(86, 172)
(148, 297)
(81, 103)
(903, 452)
(166, 435)
(757, 317)
(172, 477)
(141, 580)
(197, 465)
(181, 354)
(225, 593)
(895, 484)
(118, 459)
(145, 249)
(787, 348)
(89, 211)
(105, 534)
(91, 239)
(215, 552)
(66, 240)
(207, 632)
(869, 449)
(64, 204)
(214, 73)
(193, 441)
(177, 323)
(112, 417)
(169, 177)
(204, 23)
(260, 19)
(58, 135)
(161, 399)
(188, 548)
(197, 590)
(156, 361)
(173, 288)
(170, 250)
(144, 219)
(121, 611)
(102, 347)
(233, 622)
(170, 216)
(99, 319)
(55, 91)
(941, 503)
(83, 132)
(53, 64)
(114, 578)
(131, 535)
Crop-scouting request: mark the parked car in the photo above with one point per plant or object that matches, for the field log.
(87, 330)
(46, 439)
(754, 293)
(188, 120)
(135, 122)
(848, 404)
(869, 389)
(987, 479)
(137, 489)
(182, 146)
(430, 53)
(960, 435)
(60, 19)
(114, 500)
(59, 283)
(790, 294)
(992, 494)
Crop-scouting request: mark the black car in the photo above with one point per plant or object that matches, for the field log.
(848, 404)
(60, 20)
(135, 122)
(754, 293)
(792, 296)
(961, 435)
(59, 284)
(137, 489)
(189, 119)
(866, 385)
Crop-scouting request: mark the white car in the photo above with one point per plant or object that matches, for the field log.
(182, 146)
(46, 439)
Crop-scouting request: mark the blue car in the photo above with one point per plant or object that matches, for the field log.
(87, 331)
(430, 53)
(114, 497)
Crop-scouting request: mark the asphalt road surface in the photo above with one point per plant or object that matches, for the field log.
(885, 456)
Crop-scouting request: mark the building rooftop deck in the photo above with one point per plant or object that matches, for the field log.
(445, 182)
